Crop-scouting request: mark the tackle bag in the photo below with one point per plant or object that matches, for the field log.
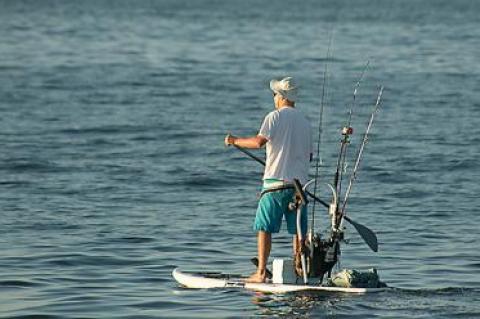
(351, 278)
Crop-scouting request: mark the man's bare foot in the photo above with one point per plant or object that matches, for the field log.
(257, 278)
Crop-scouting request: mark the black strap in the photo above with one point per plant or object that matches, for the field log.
(275, 189)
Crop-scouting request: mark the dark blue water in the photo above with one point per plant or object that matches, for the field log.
(113, 169)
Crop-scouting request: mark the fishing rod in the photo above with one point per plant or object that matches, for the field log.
(353, 176)
(338, 215)
(349, 129)
(368, 236)
(320, 131)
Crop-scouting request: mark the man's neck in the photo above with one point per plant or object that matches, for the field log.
(281, 106)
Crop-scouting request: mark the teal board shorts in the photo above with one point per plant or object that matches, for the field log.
(271, 209)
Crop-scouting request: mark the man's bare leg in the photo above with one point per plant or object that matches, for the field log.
(264, 244)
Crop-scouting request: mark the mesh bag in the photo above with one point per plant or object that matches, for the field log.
(351, 278)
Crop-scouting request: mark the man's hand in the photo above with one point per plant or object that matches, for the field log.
(229, 139)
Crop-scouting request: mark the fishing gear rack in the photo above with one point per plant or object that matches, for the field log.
(324, 253)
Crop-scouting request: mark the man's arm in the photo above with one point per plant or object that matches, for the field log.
(246, 142)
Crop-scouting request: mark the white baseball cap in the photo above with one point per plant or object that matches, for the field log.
(286, 87)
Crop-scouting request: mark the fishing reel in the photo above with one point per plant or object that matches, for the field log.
(299, 198)
(293, 206)
(324, 252)
(322, 257)
(347, 130)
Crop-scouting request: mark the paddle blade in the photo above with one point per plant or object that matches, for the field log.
(367, 234)
(254, 261)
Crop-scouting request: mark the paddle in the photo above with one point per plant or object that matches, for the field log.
(367, 234)
(241, 149)
(300, 201)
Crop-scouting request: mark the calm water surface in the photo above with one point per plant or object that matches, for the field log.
(113, 170)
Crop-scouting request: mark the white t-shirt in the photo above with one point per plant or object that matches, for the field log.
(289, 145)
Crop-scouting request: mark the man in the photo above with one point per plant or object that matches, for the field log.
(288, 139)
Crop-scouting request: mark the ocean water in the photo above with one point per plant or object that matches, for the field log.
(113, 170)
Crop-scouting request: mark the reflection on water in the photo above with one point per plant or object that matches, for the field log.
(296, 304)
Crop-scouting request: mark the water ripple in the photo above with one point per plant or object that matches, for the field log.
(113, 168)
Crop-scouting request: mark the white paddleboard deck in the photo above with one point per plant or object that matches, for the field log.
(204, 280)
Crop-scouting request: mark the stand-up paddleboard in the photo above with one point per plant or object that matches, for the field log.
(205, 280)
(317, 254)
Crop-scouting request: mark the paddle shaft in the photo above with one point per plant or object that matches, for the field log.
(259, 160)
(300, 201)
(241, 149)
